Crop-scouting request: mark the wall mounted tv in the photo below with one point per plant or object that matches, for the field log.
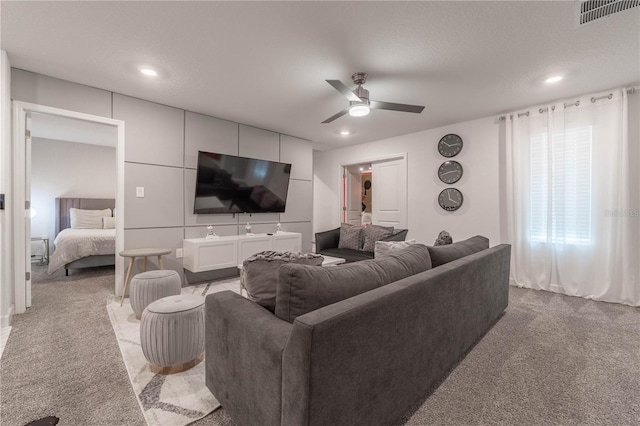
(232, 184)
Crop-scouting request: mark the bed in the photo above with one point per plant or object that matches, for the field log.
(81, 248)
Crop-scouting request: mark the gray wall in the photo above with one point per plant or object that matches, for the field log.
(161, 145)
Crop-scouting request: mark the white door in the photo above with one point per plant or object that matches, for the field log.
(353, 196)
(389, 193)
(27, 213)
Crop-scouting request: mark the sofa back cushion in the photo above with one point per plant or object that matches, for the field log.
(447, 253)
(303, 289)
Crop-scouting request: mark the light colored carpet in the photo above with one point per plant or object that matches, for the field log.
(175, 399)
(550, 360)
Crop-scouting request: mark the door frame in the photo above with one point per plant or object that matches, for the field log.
(20, 151)
(403, 156)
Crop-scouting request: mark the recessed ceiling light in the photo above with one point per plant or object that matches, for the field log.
(148, 72)
(554, 79)
(345, 132)
(361, 169)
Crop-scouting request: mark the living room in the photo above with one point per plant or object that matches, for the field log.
(251, 80)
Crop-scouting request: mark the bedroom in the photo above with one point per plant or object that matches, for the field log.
(72, 162)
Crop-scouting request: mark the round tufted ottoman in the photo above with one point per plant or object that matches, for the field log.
(150, 286)
(172, 333)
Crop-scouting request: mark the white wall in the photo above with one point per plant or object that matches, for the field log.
(67, 169)
(6, 257)
(480, 212)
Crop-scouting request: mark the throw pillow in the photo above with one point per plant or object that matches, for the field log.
(445, 254)
(384, 248)
(373, 233)
(443, 239)
(303, 289)
(87, 219)
(108, 222)
(350, 236)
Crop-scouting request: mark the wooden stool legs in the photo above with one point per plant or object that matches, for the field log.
(126, 280)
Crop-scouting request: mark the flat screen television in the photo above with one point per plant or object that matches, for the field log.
(232, 184)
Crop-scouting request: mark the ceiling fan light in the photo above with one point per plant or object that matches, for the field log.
(359, 110)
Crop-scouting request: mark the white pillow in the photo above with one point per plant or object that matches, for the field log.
(383, 248)
(108, 223)
(87, 219)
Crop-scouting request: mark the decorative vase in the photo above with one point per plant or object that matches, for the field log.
(278, 228)
(210, 233)
(248, 229)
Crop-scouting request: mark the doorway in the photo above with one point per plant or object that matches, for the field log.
(375, 191)
(23, 115)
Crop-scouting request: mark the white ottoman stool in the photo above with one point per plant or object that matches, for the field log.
(150, 286)
(172, 333)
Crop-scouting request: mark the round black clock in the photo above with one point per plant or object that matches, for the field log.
(450, 199)
(450, 171)
(450, 145)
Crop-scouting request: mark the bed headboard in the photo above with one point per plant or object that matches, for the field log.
(63, 205)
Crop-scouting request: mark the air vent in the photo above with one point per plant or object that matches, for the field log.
(591, 10)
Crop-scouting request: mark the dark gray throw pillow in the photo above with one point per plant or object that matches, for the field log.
(447, 253)
(303, 289)
(373, 233)
(350, 236)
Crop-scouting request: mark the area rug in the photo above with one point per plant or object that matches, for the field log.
(171, 400)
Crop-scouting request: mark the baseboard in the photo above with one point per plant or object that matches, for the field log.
(5, 320)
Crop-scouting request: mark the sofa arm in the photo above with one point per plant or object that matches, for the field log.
(244, 344)
(327, 239)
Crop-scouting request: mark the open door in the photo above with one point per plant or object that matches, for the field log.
(27, 213)
(353, 196)
(389, 206)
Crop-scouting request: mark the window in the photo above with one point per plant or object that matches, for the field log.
(560, 187)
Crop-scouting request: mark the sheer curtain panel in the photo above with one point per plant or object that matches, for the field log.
(571, 204)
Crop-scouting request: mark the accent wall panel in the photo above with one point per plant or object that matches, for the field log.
(190, 218)
(170, 238)
(204, 133)
(258, 143)
(299, 202)
(299, 153)
(154, 133)
(162, 204)
(303, 228)
(43, 90)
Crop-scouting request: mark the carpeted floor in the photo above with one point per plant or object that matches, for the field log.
(551, 359)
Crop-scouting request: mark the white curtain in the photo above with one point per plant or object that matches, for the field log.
(572, 212)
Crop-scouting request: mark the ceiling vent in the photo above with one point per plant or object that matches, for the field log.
(591, 10)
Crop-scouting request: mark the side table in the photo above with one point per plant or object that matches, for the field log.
(45, 254)
(143, 252)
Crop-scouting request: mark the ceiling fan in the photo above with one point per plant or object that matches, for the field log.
(359, 103)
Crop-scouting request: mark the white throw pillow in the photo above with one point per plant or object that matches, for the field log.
(87, 219)
(108, 222)
(383, 248)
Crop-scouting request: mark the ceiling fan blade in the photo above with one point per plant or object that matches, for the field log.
(338, 115)
(396, 107)
(340, 87)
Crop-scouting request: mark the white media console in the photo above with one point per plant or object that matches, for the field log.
(202, 254)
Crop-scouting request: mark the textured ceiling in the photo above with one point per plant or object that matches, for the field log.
(264, 63)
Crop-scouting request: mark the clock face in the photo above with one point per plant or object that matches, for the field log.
(450, 145)
(450, 171)
(450, 199)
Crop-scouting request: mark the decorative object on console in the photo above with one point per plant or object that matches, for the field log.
(443, 239)
(210, 233)
(450, 145)
(373, 233)
(450, 172)
(383, 248)
(247, 229)
(147, 287)
(450, 199)
(278, 227)
(350, 236)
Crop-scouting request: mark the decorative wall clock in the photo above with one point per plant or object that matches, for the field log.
(450, 199)
(450, 145)
(450, 171)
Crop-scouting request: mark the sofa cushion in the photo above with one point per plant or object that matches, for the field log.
(260, 273)
(348, 254)
(350, 236)
(384, 248)
(303, 289)
(398, 235)
(447, 253)
(373, 233)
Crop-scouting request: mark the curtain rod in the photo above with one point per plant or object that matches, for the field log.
(630, 91)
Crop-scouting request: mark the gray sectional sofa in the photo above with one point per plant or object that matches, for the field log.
(355, 344)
